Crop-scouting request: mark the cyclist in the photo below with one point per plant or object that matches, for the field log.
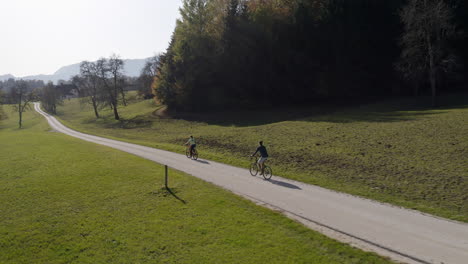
(263, 156)
(191, 142)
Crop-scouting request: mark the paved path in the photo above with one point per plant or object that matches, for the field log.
(403, 235)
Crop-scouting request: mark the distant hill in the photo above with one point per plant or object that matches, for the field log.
(6, 77)
(132, 68)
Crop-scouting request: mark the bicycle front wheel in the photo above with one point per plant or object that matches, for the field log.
(187, 153)
(267, 173)
(253, 169)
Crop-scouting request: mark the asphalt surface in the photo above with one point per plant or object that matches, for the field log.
(403, 235)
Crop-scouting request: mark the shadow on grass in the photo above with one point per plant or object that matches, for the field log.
(166, 191)
(175, 195)
(110, 122)
(395, 109)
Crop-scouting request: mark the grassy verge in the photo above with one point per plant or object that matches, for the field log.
(63, 200)
(398, 152)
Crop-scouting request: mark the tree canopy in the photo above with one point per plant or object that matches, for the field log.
(256, 53)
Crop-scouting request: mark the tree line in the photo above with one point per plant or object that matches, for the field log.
(100, 84)
(258, 53)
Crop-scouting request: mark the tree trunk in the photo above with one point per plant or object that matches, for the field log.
(20, 118)
(123, 97)
(416, 87)
(95, 107)
(20, 111)
(116, 114)
(432, 71)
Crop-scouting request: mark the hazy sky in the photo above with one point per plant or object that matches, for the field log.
(40, 36)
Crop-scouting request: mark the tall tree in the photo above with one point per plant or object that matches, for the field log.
(147, 75)
(115, 67)
(88, 83)
(21, 95)
(50, 97)
(2, 98)
(108, 86)
(428, 28)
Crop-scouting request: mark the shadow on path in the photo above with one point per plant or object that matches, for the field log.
(285, 184)
(202, 161)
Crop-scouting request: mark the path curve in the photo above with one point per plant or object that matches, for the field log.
(403, 235)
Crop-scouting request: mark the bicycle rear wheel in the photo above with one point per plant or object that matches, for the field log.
(253, 169)
(195, 154)
(267, 173)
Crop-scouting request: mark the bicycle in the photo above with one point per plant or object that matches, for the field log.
(193, 155)
(255, 168)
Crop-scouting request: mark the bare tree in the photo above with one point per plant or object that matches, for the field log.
(115, 66)
(111, 91)
(428, 27)
(88, 84)
(50, 98)
(2, 95)
(147, 75)
(2, 98)
(21, 96)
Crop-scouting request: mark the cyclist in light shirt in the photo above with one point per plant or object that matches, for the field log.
(191, 142)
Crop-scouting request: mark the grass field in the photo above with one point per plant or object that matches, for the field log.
(398, 152)
(63, 200)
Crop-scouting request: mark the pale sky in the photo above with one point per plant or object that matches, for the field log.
(40, 36)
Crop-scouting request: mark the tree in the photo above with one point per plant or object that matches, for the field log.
(21, 96)
(108, 84)
(50, 98)
(147, 75)
(2, 95)
(88, 83)
(428, 28)
(2, 98)
(115, 67)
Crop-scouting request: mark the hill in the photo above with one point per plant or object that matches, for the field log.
(6, 77)
(132, 68)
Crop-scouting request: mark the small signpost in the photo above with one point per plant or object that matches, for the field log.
(165, 179)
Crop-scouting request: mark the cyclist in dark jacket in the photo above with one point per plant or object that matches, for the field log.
(263, 156)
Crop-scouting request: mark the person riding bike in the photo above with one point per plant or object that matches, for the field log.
(192, 144)
(263, 156)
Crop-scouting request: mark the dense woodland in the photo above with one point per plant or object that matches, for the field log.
(262, 53)
(259, 53)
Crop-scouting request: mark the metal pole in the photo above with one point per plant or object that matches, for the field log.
(165, 182)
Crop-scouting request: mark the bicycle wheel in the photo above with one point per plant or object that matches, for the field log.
(187, 153)
(267, 172)
(195, 154)
(253, 169)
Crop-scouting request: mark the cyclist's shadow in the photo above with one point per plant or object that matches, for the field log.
(285, 184)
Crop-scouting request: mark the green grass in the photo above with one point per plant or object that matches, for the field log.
(2, 113)
(398, 152)
(63, 200)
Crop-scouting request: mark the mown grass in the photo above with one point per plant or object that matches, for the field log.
(2, 113)
(63, 200)
(399, 152)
